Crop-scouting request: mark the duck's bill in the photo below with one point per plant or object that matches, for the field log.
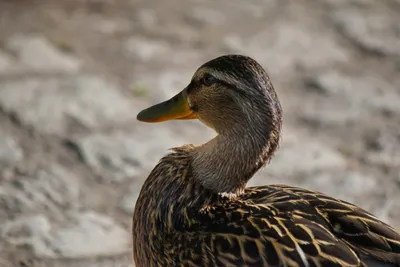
(177, 108)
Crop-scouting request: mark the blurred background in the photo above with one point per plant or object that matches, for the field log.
(74, 74)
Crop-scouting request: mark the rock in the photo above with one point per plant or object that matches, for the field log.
(382, 147)
(29, 230)
(391, 212)
(120, 261)
(332, 113)
(364, 190)
(203, 15)
(111, 156)
(5, 62)
(10, 151)
(6, 263)
(86, 234)
(281, 49)
(52, 188)
(349, 97)
(373, 29)
(348, 186)
(305, 157)
(111, 26)
(36, 53)
(56, 105)
(146, 49)
(128, 202)
(298, 156)
(361, 189)
(147, 17)
(345, 3)
(121, 155)
(167, 84)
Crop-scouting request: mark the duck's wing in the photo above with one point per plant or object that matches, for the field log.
(359, 230)
(242, 234)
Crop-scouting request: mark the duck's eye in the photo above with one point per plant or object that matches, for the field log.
(208, 80)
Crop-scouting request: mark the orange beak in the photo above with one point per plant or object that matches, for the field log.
(176, 108)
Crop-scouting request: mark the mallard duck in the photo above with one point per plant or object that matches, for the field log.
(194, 209)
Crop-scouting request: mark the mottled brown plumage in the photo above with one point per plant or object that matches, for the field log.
(194, 208)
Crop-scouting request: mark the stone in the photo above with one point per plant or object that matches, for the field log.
(27, 230)
(346, 3)
(124, 155)
(51, 188)
(10, 152)
(147, 17)
(36, 53)
(226, 13)
(5, 62)
(298, 156)
(281, 49)
(305, 157)
(83, 235)
(391, 212)
(119, 261)
(349, 97)
(373, 29)
(111, 26)
(60, 105)
(204, 15)
(382, 147)
(128, 202)
(348, 186)
(111, 156)
(6, 263)
(167, 84)
(359, 188)
(146, 49)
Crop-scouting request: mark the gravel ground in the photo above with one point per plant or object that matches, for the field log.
(74, 74)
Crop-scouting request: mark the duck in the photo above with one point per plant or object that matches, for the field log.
(195, 209)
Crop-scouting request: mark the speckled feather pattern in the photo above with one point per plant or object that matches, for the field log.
(182, 224)
(194, 208)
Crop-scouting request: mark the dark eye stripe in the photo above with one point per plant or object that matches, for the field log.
(232, 87)
(213, 80)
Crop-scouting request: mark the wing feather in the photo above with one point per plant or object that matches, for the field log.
(288, 226)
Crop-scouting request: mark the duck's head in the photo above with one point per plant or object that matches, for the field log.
(233, 95)
(228, 93)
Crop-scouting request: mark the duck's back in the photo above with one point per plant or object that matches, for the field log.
(287, 226)
(317, 229)
(181, 224)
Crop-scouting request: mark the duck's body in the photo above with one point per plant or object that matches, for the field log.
(195, 210)
(184, 224)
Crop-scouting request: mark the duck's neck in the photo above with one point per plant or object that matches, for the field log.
(226, 163)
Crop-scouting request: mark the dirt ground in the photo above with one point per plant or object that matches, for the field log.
(74, 74)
